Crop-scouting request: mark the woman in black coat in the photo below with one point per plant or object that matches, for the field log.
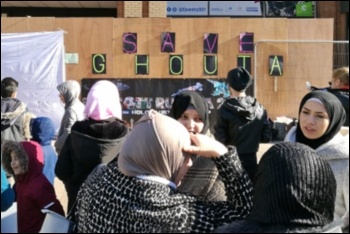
(92, 141)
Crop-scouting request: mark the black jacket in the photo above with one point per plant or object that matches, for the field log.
(242, 122)
(247, 226)
(343, 97)
(89, 144)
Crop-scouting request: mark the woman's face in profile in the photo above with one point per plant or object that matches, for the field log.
(192, 120)
(314, 120)
(61, 98)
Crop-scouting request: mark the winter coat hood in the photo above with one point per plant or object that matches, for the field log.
(89, 144)
(43, 130)
(246, 108)
(11, 109)
(102, 138)
(30, 155)
(70, 90)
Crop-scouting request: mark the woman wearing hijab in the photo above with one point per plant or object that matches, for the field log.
(321, 115)
(94, 140)
(202, 179)
(137, 192)
(73, 110)
(294, 192)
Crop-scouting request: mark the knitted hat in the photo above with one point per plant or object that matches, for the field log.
(239, 79)
(293, 186)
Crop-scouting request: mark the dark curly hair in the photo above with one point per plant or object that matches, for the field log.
(12, 146)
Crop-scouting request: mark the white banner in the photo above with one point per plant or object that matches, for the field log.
(36, 61)
(235, 8)
(187, 8)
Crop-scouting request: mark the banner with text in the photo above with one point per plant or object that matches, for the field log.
(290, 9)
(140, 95)
(235, 8)
(187, 8)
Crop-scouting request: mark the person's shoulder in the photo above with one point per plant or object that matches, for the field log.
(225, 107)
(339, 92)
(37, 185)
(8, 99)
(222, 104)
(336, 148)
(230, 102)
(80, 124)
(256, 101)
(17, 100)
(78, 104)
(227, 100)
(12, 101)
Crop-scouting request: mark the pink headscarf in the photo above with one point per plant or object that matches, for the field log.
(103, 101)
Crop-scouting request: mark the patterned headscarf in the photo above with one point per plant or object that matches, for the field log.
(103, 101)
(154, 147)
(336, 115)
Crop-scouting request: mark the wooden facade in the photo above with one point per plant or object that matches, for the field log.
(302, 61)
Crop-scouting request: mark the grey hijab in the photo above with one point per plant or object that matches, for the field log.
(70, 90)
(154, 147)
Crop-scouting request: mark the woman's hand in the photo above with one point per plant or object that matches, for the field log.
(205, 146)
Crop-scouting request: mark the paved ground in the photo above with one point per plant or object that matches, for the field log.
(62, 196)
(61, 193)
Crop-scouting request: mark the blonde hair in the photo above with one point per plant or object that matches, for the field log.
(342, 74)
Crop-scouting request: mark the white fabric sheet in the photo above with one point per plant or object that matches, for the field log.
(36, 61)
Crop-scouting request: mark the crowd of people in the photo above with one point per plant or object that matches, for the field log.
(171, 173)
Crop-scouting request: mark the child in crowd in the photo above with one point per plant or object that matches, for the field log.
(15, 115)
(73, 110)
(24, 160)
(43, 132)
(242, 121)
